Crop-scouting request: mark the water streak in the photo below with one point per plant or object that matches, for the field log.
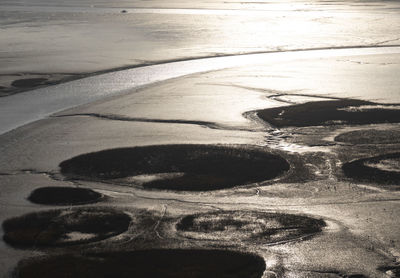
(20, 109)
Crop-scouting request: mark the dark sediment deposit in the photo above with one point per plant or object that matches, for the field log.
(322, 113)
(370, 136)
(163, 263)
(29, 82)
(391, 270)
(64, 227)
(64, 196)
(382, 169)
(178, 167)
(248, 226)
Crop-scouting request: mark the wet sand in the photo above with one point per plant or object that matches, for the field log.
(42, 39)
(306, 220)
(277, 169)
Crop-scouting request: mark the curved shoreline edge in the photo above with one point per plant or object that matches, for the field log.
(77, 76)
(29, 106)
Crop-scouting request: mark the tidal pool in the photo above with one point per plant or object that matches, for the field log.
(165, 263)
(178, 167)
(248, 226)
(64, 227)
(64, 196)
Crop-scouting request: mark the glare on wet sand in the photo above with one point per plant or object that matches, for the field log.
(156, 138)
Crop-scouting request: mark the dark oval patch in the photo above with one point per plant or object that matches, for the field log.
(383, 169)
(321, 113)
(28, 82)
(390, 270)
(64, 196)
(168, 263)
(248, 226)
(64, 227)
(178, 167)
(370, 136)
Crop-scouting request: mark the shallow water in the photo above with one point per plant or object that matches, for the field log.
(336, 52)
(27, 107)
(44, 36)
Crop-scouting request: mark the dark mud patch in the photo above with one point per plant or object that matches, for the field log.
(29, 82)
(168, 263)
(331, 274)
(322, 113)
(382, 169)
(248, 226)
(370, 136)
(178, 167)
(391, 270)
(20, 82)
(64, 196)
(64, 227)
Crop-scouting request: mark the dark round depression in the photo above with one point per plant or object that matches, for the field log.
(64, 227)
(64, 196)
(248, 226)
(163, 263)
(370, 136)
(333, 112)
(382, 169)
(178, 167)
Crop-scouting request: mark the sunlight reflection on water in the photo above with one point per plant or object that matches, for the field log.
(30, 106)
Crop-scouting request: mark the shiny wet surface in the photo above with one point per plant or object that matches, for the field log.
(357, 230)
(206, 103)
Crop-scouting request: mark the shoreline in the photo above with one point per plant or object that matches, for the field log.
(314, 190)
(68, 77)
(185, 137)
